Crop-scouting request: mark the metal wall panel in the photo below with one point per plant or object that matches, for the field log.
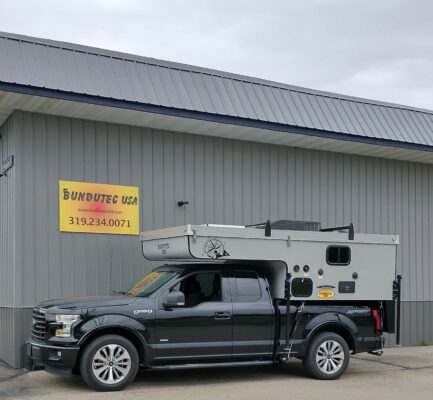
(225, 181)
(7, 214)
(15, 325)
(9, 337)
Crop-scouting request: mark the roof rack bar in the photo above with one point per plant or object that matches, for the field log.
(253, 225)
(268, 228)
(267, 225)
(341, 228)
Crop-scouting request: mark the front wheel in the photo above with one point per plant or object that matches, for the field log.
(109, 363)
(327, 356)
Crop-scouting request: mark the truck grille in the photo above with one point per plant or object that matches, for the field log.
(38, 326)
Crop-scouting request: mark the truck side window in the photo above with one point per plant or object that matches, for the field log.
(338, 255)
(201, 287)
(248, 287)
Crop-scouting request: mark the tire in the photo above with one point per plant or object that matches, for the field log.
(327, 356)
(109, 363)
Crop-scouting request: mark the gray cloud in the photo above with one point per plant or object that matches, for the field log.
(376, 49)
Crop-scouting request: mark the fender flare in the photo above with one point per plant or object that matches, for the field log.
(337, 320)
(96, 327)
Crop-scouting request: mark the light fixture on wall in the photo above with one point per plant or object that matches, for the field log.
(6, 166)
(182, 203)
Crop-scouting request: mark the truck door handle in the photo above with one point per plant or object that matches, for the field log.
(221, 315)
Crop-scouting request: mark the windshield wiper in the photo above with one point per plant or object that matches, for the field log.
(118, 292)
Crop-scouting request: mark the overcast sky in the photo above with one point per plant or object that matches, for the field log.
(380, 49)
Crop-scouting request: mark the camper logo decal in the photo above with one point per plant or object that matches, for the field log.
(215, 249)
(326, 294)
(163, 247)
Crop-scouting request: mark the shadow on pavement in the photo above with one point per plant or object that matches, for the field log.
(198, 376)
(218, 375)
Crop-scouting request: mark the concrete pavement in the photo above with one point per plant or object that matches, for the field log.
(401, 373)
(7, 373)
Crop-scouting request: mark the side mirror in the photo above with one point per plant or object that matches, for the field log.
(174, 300)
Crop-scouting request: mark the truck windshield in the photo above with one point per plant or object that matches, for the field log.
(151, 282)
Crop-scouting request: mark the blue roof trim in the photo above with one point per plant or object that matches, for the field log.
(205, 116)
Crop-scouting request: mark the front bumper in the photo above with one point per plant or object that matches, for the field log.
(51, 356)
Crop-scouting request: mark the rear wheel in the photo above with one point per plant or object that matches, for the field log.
(109, 363)
(327, 356)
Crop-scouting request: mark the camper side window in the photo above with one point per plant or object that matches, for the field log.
(338, 255)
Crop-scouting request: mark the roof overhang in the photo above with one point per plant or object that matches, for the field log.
(66, 104)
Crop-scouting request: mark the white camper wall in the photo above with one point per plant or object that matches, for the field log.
(370, 272)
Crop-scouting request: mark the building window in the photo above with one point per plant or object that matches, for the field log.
(338, 255)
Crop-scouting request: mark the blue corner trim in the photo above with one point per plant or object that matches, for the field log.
(205, 116)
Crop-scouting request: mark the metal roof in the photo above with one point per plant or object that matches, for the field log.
(69, 70)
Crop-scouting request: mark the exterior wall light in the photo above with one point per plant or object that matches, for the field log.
(6, 166)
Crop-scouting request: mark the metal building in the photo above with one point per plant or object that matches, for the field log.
(239, 149)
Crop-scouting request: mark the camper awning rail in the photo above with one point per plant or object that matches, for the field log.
(252, 233)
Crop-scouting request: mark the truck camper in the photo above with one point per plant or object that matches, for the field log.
(231, 295)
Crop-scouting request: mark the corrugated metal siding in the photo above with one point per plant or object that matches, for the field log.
(7, 220)
(226, 181)
(15, 327)
(80, 69)
(8, 334)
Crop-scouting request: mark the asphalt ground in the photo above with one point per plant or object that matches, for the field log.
(401, 373)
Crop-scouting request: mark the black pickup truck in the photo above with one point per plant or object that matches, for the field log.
(198, 315)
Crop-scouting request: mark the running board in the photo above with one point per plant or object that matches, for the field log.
(213, 365)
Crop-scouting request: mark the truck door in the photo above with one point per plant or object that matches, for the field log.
(253, 317)
(202, 329)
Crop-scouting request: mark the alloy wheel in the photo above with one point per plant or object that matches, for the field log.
(111, 364)
(330, 357)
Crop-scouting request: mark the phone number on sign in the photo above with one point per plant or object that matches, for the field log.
(119, 223)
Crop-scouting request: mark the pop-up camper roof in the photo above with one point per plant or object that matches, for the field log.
(348, 265)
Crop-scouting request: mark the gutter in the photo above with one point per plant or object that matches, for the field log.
(205, 116)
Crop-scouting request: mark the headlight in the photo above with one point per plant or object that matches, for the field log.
(67, 321)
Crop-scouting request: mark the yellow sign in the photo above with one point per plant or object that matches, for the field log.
(326, 294)
(98, 208)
